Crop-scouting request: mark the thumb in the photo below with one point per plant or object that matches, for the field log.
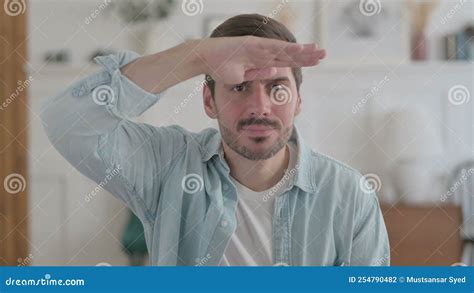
(261, 73)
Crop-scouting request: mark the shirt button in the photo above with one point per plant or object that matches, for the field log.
(224, 223)
(226, 186)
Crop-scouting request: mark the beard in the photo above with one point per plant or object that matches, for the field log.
(231, 138)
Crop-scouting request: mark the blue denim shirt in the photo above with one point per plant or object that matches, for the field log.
(177, 182)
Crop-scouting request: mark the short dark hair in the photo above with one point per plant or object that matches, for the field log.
(259, 26)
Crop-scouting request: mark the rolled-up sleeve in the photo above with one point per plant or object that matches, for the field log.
(89, 124)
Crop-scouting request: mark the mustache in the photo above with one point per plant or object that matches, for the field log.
(258, 121)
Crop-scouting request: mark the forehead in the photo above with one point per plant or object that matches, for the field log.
(285, 72)
(283, 75)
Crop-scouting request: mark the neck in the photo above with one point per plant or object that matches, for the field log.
(257, 175)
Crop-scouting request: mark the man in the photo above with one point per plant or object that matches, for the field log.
(251, 193)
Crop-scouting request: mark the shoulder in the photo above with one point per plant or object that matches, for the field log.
(341, 182)
(330, 169)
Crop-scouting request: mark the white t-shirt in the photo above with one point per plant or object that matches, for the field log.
(251, 243)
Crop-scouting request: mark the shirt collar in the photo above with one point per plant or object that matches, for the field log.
(304, 177)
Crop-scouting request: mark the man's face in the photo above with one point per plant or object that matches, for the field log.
(256, 117)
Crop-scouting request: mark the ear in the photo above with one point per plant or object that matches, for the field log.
(298, 105)
(209, 103)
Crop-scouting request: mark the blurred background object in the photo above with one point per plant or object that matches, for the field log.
(57, 56)
(413, 142)
(460, 45)
(351, 30)
(145, 18)
(133, 241)
(421, 12)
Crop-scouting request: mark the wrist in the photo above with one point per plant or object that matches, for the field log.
(199, 56)
(184, 60)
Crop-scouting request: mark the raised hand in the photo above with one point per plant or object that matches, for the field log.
(233, 60)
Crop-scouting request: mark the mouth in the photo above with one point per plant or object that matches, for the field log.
(258, 130)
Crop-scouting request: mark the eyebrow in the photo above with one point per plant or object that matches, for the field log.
(281, 78)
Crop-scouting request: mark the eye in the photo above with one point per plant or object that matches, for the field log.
(277, 86)
(239, 88)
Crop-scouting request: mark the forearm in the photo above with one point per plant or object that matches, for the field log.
(156, 72)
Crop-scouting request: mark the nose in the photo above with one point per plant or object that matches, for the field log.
(259, 103)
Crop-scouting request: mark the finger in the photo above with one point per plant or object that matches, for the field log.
(261, 73)
(273, 46)
(300, 63)
(289, 54)
(300, 60)
(312, 49)
(301, 57)
(277, 46)
(303, 63)
(304, 48)
(281, 49)
(320, 54)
